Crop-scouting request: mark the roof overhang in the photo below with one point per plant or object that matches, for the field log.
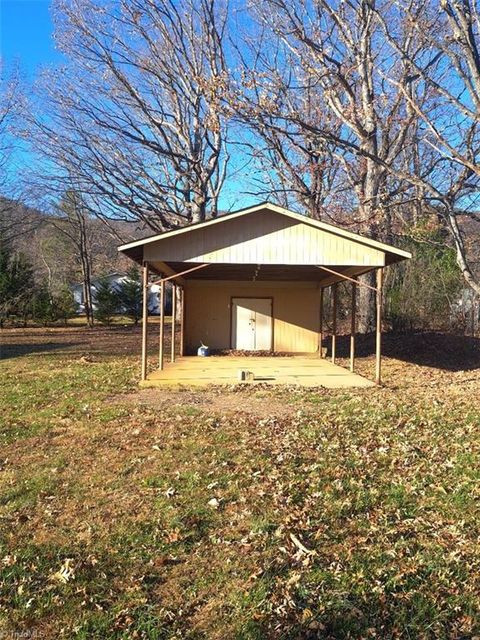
(163, 252)
(258, 273)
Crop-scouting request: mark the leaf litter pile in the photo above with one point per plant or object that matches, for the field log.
(240, 512)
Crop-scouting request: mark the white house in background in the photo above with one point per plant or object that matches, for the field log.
(116, 278)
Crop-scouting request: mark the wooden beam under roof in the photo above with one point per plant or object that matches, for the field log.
(164, 269)
(267, 273)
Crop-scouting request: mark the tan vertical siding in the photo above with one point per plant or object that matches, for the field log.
(264, 238)
(295, 313)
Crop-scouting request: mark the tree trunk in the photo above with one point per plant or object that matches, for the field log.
(366, 296)
(461, 253)
(86, 270)
(198, 208)
(178, 302)
(87, 289)
(366, 304)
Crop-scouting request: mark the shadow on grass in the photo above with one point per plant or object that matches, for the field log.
(432, 349)
(429, 349)
(99, 341)
(18, 350)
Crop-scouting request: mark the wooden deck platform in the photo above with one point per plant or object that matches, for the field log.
(304, 371)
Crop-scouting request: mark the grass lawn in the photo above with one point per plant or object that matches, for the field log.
(236, 513)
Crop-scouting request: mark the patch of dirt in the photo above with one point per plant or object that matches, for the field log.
(419, 361)
(218, 401)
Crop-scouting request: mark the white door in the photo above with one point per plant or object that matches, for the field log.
(252, 324)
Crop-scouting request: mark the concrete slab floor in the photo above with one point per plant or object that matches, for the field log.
(305, 371)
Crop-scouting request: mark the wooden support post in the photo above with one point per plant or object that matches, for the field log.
(353, 327)
(162, 325)
(182, 323)
(320, 329)
(174, 319)
(334, 320)
(144, 319)
(378, 337)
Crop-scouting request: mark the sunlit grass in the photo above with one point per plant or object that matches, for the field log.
(353, 514)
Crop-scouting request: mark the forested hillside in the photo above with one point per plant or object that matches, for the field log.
(43, 254)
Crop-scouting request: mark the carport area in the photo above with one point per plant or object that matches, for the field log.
(253, 281)
(305, 371)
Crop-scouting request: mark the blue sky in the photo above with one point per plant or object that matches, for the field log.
(26, 34)
(26, 39)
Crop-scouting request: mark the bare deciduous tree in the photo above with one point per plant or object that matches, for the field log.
(296, 166)
(449, 69)
(15, 218)
(337, 53)
(73, 223)
(134, 118)
(9, 97)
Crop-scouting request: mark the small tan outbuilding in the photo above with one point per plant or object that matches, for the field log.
(253, 280)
